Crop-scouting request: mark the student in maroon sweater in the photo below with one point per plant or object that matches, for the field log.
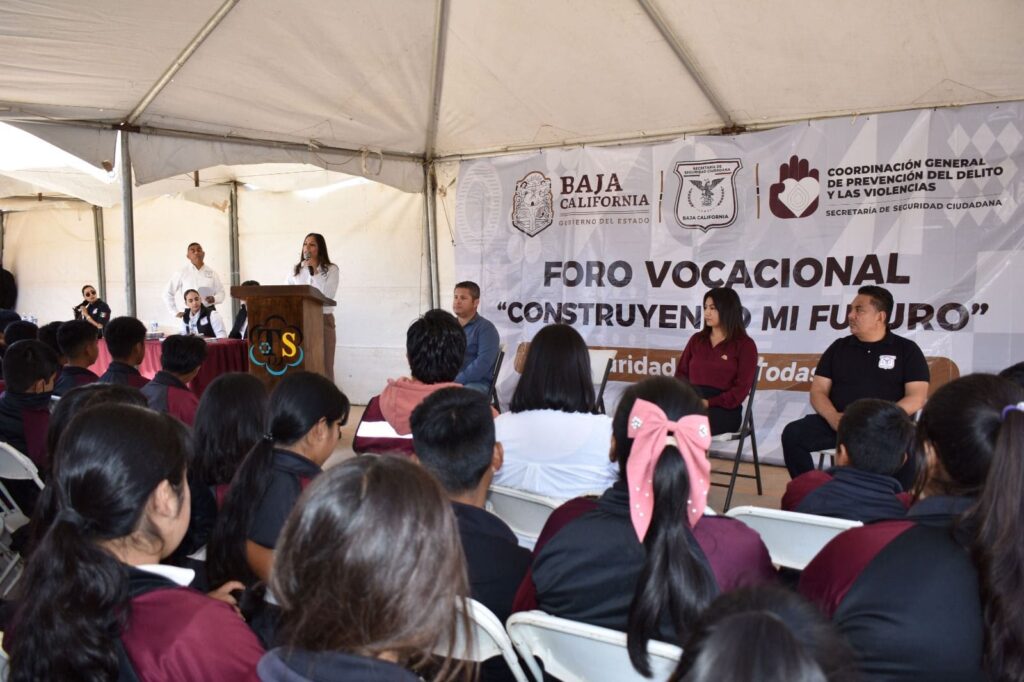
(79, 343)
(937, 595)
(645, 559)
(97, 603)
(369, 575)
(765, 633)
(872, 443)
(180, 359)
(720, 361)
(126, 341)
(30, 367)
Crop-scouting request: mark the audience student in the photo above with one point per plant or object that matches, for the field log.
(482, 341)
(434, 346)
(720, 361)
(48, 335)
(79, 343)
(871, 362)
(305, 415)
(126, 342)
(20, 330)
(97, 604)
(241, 323)
(6, 318)
(369, 576)
(74, 401)
(453, 433)
(229, 422)
(180, 358)
(199, 320)
(645, 559)
(872, 443)
(555, 444)
(767, 634)
(937, 595)
(30, 368)
(1014, 373)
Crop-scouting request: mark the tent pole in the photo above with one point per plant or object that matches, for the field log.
(3, 235)
(687, 61)
(179, 62)
(128, 212)
(101, 258)
(233, 233)
(437, 71)
(430, 225)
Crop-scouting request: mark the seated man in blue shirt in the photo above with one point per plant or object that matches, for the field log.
(482, 340)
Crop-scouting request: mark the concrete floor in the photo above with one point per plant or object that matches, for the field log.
(773, 478)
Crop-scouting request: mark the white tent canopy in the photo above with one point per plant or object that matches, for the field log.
(372, 88)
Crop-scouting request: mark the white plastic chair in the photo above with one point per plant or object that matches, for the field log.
(577, 652)
(600, 367)
(489, 640)
(525, 513)
(792, 538)
(13, 466)
(822, 454)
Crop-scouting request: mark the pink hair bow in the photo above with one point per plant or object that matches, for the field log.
(651, 432)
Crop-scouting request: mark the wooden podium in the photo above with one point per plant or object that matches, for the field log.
(285, 330)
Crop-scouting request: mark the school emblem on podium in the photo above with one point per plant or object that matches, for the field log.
(707, 193)
(276, 345)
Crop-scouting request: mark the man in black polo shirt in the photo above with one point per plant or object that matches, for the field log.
(870, 363)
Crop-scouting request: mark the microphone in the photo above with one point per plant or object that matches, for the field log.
(306, 255)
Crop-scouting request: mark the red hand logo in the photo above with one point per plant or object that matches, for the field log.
(795, 195)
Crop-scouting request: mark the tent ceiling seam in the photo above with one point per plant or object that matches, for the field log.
(618, 140)
(211, 137)
(687, 60)
(168, 74)
(437, 63)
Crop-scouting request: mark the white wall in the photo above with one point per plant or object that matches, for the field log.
(53, 255)
(374, 233)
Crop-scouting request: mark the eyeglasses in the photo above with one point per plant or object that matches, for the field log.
(90, 293)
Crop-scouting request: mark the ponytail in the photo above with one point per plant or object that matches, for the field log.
(74, 597)
(295, 406)
(81, 591)
(998, 550)
(676, 574)
(226, 558)
(676, 581)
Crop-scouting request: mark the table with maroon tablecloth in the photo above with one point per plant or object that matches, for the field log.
(222, 356)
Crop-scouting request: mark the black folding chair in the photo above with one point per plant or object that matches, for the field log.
(746, 431)
(494, 379)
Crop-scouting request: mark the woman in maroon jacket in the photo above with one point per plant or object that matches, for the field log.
(97, 602)
(721, 360)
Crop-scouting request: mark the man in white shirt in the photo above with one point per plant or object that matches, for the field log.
(196, 275)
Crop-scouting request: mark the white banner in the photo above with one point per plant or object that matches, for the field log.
(622, 243)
